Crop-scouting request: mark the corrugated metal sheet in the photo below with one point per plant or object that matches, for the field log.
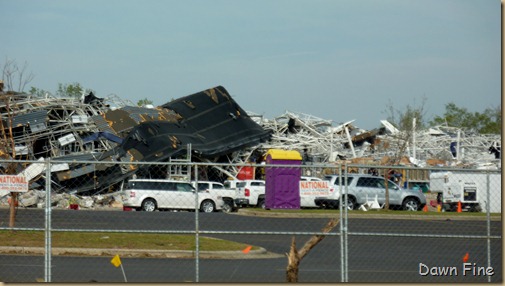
(79, 157)
(102, 124)
(139, 113)
(32, 118)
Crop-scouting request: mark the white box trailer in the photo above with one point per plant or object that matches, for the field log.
(469, 188)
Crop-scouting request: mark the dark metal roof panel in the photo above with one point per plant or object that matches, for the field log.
(212, 122)
(102, 124)
(35, 117)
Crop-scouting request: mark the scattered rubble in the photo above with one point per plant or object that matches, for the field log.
(322, 142)
(37, 199)
(89, 129)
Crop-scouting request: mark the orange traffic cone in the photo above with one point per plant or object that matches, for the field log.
(459, 207)
(425, 209)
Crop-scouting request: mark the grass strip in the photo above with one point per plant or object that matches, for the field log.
(117, 241)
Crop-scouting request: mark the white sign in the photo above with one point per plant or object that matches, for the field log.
(13, 183)
(314, 188)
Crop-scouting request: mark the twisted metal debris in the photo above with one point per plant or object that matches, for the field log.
(92, 129)
(321, 141)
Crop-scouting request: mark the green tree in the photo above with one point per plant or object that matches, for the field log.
(144, 102)
(487, 122)
(38, 91)
(70, 90)
(494, 126)
(64, 90)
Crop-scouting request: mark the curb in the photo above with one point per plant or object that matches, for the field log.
(368, 215)
(146, 253)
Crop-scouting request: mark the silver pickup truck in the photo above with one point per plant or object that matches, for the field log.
(363, 187)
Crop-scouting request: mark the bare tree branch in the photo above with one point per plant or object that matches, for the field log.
(11, 72)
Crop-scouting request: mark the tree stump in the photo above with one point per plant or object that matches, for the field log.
(295, 256)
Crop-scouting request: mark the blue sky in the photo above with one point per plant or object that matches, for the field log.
(339, 60)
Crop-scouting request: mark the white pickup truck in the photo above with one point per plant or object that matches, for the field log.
(250, 193)
(216, 188)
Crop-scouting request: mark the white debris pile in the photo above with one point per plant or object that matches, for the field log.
(318, 140)
(37, 199)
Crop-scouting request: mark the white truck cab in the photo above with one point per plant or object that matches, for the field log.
(218, 189)
(250, 193)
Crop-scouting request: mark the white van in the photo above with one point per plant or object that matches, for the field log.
(150, 195)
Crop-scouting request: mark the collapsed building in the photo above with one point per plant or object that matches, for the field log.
(209, 126)
(77, 133)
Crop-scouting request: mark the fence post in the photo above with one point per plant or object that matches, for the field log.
(47, 262)
(342, 222)
(197, 227)
(488, 216)
(345, 220)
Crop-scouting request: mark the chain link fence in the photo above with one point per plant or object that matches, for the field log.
(144, 222)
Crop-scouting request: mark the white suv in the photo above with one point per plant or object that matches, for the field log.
(149, 195)
(218, 189)
(250, 193)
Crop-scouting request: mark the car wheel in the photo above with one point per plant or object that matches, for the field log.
(411, 204)
(475, 208)
(261, 204)
(227, 207)
(207, 206)
(351, 204)
(149, 205)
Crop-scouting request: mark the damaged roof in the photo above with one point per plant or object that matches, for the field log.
(89, 130)
(211, 121)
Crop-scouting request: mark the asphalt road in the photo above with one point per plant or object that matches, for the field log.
(380, 250)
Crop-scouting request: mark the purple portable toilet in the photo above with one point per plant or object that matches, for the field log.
(282, 190)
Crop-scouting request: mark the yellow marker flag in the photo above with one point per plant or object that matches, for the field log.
(116, 261)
